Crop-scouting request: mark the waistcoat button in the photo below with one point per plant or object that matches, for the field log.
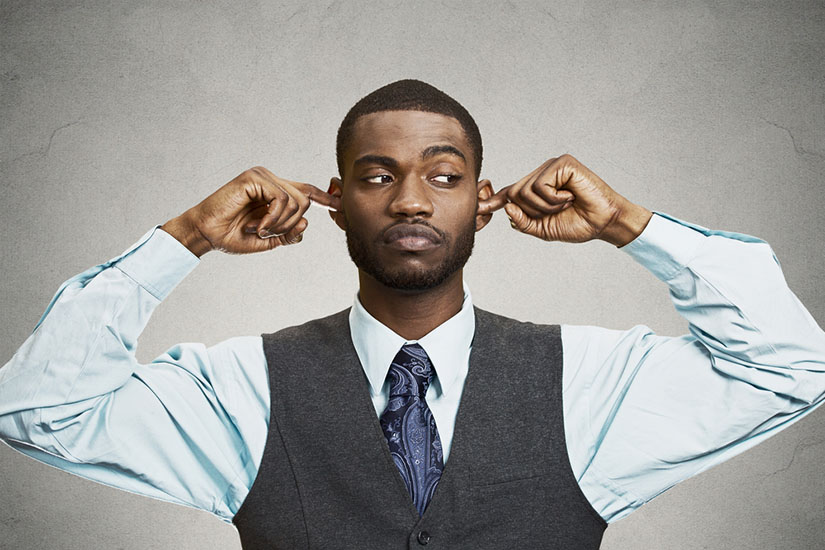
(423, 537)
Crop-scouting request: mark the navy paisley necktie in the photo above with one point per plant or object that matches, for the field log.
(409, 425)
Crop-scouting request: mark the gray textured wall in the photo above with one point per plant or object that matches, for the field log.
(118, 115)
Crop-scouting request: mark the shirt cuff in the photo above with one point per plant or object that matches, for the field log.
(665, 246)
(158, 262)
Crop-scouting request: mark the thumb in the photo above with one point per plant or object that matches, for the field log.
(518, 219)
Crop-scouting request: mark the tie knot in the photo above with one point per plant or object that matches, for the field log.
(410, 372)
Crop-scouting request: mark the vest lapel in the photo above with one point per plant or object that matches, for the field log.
(454, 479)
(355, 384)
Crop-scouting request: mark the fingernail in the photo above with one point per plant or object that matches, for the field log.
(266, 234)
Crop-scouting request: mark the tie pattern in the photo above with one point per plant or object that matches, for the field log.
(409, 426)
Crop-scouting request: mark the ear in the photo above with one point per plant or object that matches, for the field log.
(485, 191)
(336, 189)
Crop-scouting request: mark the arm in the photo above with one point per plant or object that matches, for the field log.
(75, 397)
(651, 411)
(187, 427)
(643, 412)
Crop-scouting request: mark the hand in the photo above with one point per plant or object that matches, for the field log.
(254, 212)
(562, 200)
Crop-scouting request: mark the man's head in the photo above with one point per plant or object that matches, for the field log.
(409, 95)
(409, 158)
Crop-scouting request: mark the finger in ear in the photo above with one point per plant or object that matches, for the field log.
(484, 212)
(485, 189)
(336, 189)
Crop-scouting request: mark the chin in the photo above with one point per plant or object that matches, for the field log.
(412, 272)
(411, 281)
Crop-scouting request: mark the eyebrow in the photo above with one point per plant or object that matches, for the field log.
(429, 152)
(389, 162)
(434, 150)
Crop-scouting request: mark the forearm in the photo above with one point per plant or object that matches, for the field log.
(183, 428)
(91, 328)
(644, 412)
(731, 290)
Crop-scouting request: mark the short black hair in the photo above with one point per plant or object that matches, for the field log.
(408, 95)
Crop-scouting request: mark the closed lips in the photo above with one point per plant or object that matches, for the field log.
(409, 230)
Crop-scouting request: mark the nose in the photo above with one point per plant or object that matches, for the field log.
(411, 199)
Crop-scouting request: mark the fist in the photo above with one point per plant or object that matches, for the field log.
(562, 200)
(254, 212)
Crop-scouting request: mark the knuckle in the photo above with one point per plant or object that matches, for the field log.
(568, 160)
(252, 173)
(274, 206)
(245, 176)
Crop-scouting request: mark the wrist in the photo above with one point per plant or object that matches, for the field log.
(188, 234)
(627, 224)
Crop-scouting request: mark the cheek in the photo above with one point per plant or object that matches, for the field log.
(360, 211)
(458, 209)
(350, 204)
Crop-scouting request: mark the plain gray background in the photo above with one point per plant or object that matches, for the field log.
(117, 115)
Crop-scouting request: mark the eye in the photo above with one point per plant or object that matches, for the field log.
(378, 179)
(447, 179)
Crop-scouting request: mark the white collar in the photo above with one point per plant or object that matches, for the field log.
(447, 345)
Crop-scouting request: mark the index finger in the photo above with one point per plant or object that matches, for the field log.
(321, 198)
(496, 202)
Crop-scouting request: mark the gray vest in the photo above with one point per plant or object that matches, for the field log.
(326, 478)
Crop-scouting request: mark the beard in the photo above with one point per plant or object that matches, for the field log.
(364, 256)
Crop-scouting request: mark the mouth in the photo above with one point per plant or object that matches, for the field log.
(411, 237)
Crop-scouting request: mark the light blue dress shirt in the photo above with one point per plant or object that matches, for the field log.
(641, 412)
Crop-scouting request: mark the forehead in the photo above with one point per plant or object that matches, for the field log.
(401, 134)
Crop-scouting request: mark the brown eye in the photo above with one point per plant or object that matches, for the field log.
(447, 178)
(380, 178)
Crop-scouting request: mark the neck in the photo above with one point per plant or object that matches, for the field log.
(411, 314)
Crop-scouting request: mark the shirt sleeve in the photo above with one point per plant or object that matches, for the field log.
(644, 412)
(188, 427)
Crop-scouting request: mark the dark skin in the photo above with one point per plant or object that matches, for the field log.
(404, 167)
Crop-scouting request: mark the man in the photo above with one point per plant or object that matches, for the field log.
(413, 418)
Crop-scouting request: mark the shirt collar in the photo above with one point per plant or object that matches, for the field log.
(447, 345)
